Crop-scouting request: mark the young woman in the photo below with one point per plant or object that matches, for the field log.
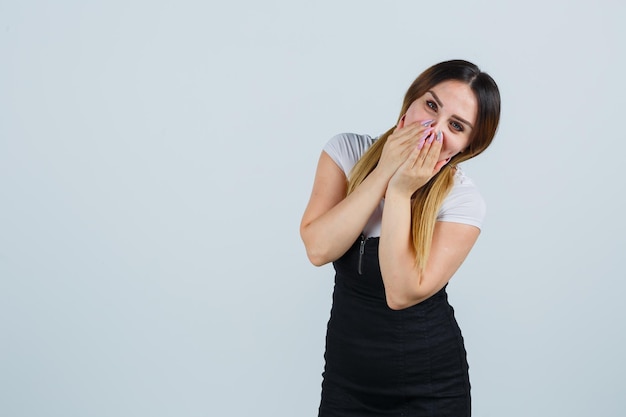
(397, 217)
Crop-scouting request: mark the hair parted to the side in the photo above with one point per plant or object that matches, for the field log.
(428, 199)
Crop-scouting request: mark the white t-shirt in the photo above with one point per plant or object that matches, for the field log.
(464, 204)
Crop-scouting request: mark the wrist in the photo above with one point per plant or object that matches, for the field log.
(381, 179)
(379, 172)
(396, 194)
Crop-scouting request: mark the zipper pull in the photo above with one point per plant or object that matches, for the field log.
(361, 251)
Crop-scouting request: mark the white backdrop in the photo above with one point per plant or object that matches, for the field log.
(156, 157)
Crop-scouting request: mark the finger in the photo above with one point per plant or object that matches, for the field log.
(414, 156)
(427, 146)
(435, 142)
(421, 127)
(412, 129)
(426, 134)
(412, 136)
(424, 145)
(441, 164)
(419, 147)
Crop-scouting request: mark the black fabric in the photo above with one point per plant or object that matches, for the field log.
(381, 362)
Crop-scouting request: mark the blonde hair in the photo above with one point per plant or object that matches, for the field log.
(427, 200)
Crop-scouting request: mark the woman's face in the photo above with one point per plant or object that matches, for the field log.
(453, 107)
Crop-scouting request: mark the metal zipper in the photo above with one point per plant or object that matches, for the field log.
(361, 251)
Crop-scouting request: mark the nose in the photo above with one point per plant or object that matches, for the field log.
(438, 128)
(435, 123)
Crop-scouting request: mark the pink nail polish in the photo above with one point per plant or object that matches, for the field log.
(430, 139)
(420, 144)
(427, 123)
(426, 133)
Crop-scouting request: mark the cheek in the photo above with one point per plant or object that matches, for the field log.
(416, 114)
(454, 145)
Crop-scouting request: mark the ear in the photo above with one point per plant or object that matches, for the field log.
(400, 124)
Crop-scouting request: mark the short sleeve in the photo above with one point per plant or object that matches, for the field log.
(347, 148)
(464, 204)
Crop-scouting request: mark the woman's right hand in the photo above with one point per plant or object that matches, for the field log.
(400, 144)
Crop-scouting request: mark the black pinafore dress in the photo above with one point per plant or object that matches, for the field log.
(381, 362)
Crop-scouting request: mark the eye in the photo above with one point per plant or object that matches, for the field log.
(431, 104)
(457, 126)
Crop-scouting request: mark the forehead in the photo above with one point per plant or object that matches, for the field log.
(457, 98)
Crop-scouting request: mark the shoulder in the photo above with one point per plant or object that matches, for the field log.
(347, 148)
(465, 204)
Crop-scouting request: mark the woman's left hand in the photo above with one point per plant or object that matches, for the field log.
(420, 166)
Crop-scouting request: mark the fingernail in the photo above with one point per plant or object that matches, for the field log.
(439, 136)
(426, 133)
(430, 139)
(420, 144)
(427, 123)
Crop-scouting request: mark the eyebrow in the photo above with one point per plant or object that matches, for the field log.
(454, 115)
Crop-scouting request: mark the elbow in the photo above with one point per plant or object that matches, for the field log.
(316, 253)
(398, 300)
(401, 299)
(317, 260)
(398, 303)
(403, 289)
(317, 257)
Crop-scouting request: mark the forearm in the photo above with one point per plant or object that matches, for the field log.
(396, 252)
(329, 236)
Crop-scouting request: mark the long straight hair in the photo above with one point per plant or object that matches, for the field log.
(427, 200)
